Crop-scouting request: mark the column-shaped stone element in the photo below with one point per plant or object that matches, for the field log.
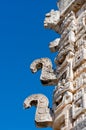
(69, 75)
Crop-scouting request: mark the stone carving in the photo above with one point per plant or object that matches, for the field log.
(63, 119)
(80, 81)
(61, 100)
(63, 4)
(80, 126)
(69, 75)
(63, 87)
(81, 43)
(54, 46)
(69, 24)
(80, 58)
(80, 70)
(79, 104)
(80, 122)
(51, 19)
(43, 117)
(67, 5)
(48, 76)
(66, 73)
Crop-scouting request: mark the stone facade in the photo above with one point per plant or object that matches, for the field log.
(69, 77)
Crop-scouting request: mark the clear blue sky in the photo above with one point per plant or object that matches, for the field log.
(22, 39)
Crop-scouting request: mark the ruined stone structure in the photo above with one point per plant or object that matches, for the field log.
(69, 77)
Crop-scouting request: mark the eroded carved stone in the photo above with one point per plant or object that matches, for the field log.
(80, 81)
(51, 19)
(80, 70)
(65, 71)
(43, 117)
(64, 86)
(48, 76)
(54, 46)
(79, 119)
(80, 58)
(69, 76)
(79, 104)
(81, 43)
(69, 23)
(61, 100)
(67, 5)
(63, 119)
(80, 125)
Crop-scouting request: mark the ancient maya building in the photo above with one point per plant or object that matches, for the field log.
(69, 77)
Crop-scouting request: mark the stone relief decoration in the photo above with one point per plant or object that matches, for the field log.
(51, 19)
(43, 117)
(69, 76)
(48, 76)
(63, 119)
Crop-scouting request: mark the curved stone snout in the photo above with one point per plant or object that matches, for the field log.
(48, 76)
(43, 116)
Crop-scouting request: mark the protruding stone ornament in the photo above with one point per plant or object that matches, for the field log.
(69, 76)
(43, 117)
(48, 76)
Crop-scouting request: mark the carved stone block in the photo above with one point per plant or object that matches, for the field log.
(67, 5)
(79, 119)
(81, 43)
(80, 81)
(43, 117)
(48, 76)
(62, 100)
(63, 119)
(80, 33)
(81, 21)
(64, 4)
(69, 39)
(54, 46)
(69, 23)
(65, 73)
(80, 70)
(52, 18)
(79, 104)
(68, 60)
(80, 125)
(81, 10)
(63, 87)
(80, 58)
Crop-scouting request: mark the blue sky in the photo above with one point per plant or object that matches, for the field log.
(22, 39)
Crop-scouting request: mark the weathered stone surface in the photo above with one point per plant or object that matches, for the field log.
(52, 18)
(80, 126)
(43, 117)
(80, 81)
(79, 104)
(63, 119)
(62, 100)
(48, 76)
(80, 58)
(69, 76)
(54, 46)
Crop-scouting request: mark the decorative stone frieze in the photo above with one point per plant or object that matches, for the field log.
(79, 104)
(69, 76)
(63, 120)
